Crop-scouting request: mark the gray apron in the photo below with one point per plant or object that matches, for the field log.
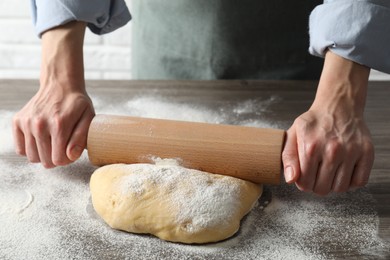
(222, 39)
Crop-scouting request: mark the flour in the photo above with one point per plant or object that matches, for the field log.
(166, 161)
(205, 206)
(248, 113)
(14, 201)
(58, 225)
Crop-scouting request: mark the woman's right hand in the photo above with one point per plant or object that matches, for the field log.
(52, 127)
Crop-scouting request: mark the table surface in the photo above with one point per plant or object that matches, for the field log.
(296, 95)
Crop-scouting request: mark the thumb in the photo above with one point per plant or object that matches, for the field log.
(290, 157)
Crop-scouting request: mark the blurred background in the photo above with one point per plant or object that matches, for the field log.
(106, 57)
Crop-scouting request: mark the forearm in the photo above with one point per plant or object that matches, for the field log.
(62, 62)
(343, 87)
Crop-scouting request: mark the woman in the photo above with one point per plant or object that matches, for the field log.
(328, 148)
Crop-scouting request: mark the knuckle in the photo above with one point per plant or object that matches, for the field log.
(298, 123)
(39, 124)
(333, 149)
(16, 120)
(25, 123)
(310, 149)
(20, 123)
(369, 148)
(58, 122)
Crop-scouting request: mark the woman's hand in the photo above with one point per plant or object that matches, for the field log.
(329, 147)
(52, 127)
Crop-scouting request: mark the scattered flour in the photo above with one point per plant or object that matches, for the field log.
(248, 113)
(57, 222)
(14, 201)
(166, 161)
(153, 107)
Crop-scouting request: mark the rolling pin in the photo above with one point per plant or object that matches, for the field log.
(247, 153)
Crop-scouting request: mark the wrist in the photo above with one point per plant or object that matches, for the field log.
(343, 87)
(62, 62)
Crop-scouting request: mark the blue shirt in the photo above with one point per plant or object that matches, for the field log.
(102, 16)
(358, 30)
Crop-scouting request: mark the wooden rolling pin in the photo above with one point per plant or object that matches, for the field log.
(248, 153)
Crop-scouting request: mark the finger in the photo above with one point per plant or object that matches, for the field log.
(290, 157)
(309, 163)
(362, 170)
(343, 177)
(44, 151)
(60, 133)
(18, 138)
(78, 139)
(39, 131)
(331, 161)
(31, 148)
(29, 143)
(325, 178)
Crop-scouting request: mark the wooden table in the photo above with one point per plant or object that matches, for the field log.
(296, 98)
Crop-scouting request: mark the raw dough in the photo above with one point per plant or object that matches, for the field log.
(171, 202)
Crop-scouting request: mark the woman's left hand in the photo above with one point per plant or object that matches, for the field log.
(329, 147)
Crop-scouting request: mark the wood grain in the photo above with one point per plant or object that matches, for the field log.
(247, 153)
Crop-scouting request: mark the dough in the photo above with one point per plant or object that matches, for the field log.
(171, 202)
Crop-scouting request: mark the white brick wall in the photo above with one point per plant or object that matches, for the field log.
(106, 57)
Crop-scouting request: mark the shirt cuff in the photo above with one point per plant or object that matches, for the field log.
(357, 30)
(101, 16)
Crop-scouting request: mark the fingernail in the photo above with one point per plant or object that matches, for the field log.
(288, 174)
(76, 152)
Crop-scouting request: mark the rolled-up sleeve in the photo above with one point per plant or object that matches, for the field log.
(102, 16)
(358, 30)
